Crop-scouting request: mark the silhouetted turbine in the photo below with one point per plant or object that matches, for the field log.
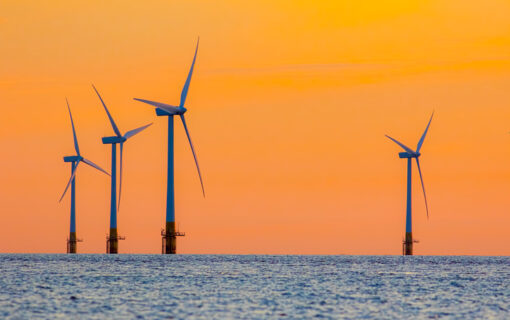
(163, 109)
(409, 154)
(75, 161)
(117, 139)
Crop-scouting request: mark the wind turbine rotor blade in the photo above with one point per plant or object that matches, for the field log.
(92, 164)
(406, 148)
(423, 187)
(114, 126)
(120, 174)
(193, 151)
(424, 134)
(76, 147)
(131, 133)
(70, 180)
(185, 89)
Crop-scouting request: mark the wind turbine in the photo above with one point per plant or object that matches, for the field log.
(112, 241)
(75, 161)
(169, 241)
(409, 154)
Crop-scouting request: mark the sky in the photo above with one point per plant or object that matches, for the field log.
(288, 108)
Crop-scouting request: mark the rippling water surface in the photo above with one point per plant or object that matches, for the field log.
(253, 287)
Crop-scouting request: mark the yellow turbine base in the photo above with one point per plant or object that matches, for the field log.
(112, 243)
(71, 243)
(408, 244)
(169, 239)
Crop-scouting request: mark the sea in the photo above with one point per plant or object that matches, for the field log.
(98, 286)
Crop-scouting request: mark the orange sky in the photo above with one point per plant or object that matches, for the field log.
(288, 107)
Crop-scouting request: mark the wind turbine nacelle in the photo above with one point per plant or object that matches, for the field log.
(406, 155)
(112, 140)
(72, 158)
(170, 112)
(161, 112)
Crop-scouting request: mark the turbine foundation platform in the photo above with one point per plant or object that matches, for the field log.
(169, 239)
(112, 241)
(407, 244)
(72, 243)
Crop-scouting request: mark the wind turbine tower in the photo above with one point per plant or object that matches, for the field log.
(75, 161)
(170, 234)
(410, 154)
(112, 240)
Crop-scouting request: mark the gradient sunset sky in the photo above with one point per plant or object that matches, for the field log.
(288, 108)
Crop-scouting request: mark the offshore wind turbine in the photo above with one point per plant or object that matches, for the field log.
(112, 241)
(410, 154)
(75, 161)
(169, 240)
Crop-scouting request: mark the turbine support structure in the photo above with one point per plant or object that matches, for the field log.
(169, 234)
(408, 243)
(112, 240)
(72, 241)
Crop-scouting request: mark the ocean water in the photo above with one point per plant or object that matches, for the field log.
(253, 287)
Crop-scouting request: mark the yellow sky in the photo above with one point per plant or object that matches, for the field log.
(288, 107)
